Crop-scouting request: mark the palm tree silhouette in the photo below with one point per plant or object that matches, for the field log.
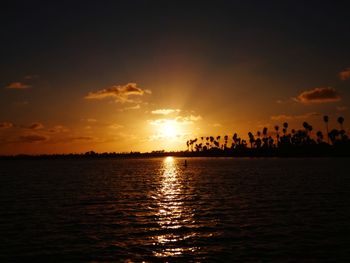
(234, 140)
(306, 126)
(226, 140)
(265, 131)
(218, 138)
(285, 127)
(341, 121)
(310, 129)
(319, 136)
(262, 144)
(211, 139)
(251, 139)
(326, 119)
(277, 134)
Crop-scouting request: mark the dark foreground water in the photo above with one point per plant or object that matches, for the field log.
(157, 210)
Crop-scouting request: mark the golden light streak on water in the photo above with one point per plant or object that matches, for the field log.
(172, 213)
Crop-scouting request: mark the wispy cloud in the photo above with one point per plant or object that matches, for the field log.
(342, 108)
(58, 129)
(345, 74)
(136, 107)
(6, 125)
(32, 138)
(284, 117)
(36, 126)
(160, 121)
(188, 119)
(165, 111)
(120, 93)
(20, 103)
(82, 138)
(318, 95)
(158, 136)
(17, 85)
(116, 126)
(179, 119)
(31, 77)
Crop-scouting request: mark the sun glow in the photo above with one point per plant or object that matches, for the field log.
(169, 129)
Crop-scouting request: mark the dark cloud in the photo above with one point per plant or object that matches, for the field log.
(58, 129)
(284, 117)
(345, 74)
(82, 138)
(36, 126)
(342, 108)
(318, 95)
(5, 125)
(31, 138)
(120, 92)
(31, 77)
(17, 85)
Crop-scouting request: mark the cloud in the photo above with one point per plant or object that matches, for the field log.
(17, 85)
(6, 125)
(165, 111)
(188, 119)
(342, 108)
(30, 77)
(283, 117)
(179, 119)
(82, 138)
(116, 126)
(160, 121)
(159, 137)
(345, 74)
(58, 129)
(21, 103)
(32, 138)
(75, 139)
(36, 126)
(318, 95)
(136, 107)
(121, 93)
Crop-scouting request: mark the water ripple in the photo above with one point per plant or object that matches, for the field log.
(156, 210)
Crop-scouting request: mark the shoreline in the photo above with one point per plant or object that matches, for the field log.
(137, 155)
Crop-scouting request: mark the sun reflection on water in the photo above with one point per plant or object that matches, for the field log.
(173, 215)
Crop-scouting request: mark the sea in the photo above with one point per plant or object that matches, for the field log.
(160, 210)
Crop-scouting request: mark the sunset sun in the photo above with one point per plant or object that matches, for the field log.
(169, 129)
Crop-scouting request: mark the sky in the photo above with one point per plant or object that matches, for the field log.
(121, 76)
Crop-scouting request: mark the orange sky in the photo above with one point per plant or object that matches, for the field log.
(80, 79)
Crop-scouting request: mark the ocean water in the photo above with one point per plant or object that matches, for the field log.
(157, 210)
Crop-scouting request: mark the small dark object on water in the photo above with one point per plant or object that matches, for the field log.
(185, 164)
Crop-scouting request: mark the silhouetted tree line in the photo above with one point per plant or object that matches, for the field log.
(94, 155)
(283, 142)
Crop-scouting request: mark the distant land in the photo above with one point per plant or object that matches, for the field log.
(305, 151)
